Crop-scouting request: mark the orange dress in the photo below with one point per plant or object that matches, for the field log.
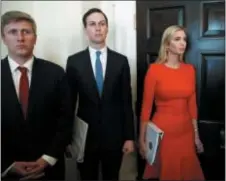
(173, 91)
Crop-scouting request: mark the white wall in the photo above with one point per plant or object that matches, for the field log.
(60, 30)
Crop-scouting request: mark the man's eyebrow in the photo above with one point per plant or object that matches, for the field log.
(19, 29)
(12, 29)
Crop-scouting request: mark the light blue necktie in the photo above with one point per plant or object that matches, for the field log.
(99, 73)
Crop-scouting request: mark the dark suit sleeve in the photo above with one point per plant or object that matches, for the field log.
(64, 115)
(6, 163)
(72, 80)
(127, 102)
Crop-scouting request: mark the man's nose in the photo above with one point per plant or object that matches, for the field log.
(20, 36)
(98, 27)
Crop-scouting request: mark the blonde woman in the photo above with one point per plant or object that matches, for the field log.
(171, 84)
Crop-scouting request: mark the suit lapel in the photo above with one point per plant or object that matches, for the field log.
(7, 81)
(35, 86)
(109, 74)
(90, 77)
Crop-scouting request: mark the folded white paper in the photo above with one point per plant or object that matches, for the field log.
(153, 137)
(77, 147)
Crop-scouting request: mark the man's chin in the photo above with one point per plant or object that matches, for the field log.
(24, 57)
(99, 41)
(23, 54)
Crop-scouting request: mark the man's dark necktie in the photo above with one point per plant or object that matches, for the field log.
(23, 90)
(99, 73)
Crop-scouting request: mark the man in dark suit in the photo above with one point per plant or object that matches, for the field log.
(36, 119)
(100, 77)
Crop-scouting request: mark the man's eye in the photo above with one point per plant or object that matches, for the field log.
(26, 31)
(92, 24)
(13, 32)
(103, 24)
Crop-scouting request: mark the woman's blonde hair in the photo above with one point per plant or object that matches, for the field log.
(166, 38)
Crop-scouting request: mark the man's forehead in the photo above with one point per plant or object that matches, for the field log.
(96, 17)
(18, 24)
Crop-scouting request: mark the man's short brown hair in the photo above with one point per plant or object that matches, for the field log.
(15, 16)
(91, 11)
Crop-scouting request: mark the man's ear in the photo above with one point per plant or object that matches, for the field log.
(3, 38)
(107, 29)
(35, 39)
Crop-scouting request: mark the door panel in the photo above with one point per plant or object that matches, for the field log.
(212, 87)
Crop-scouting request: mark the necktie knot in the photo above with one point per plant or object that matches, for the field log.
(23, 70)
(98, 54)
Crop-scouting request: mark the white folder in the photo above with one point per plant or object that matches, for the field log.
(154, 136)
(77, 146)
(79, 139)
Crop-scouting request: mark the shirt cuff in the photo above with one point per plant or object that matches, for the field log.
(7, 170)
(49, 159)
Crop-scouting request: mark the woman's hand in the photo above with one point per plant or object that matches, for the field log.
(199, 145)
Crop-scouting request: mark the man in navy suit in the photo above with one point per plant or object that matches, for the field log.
(101, 79)
(36, 119)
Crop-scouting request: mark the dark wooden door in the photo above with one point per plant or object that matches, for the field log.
(205, 24)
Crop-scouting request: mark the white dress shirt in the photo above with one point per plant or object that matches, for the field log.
(16, 74)
(103, 59)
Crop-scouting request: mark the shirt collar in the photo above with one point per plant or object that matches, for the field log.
(14, 65)
(93, 51)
